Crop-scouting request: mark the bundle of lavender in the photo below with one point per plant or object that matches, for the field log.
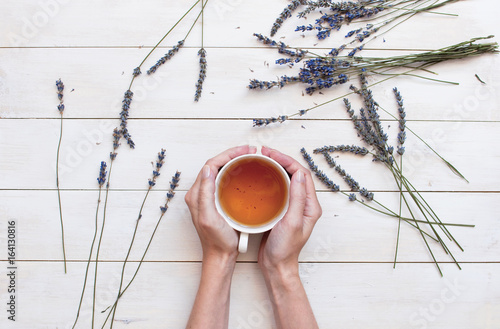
(322, 72)
(333, 15)
(368, 126)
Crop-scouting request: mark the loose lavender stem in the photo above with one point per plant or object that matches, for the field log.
(166, 34)
(90, 257)
(170, 195)
(59, 194)
(60, 107)
(152, 182)
(128, 254)
(99, 243)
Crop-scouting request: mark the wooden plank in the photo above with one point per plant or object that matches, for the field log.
(346, 232)
(97, 78)
(26, 162)
(341, 295)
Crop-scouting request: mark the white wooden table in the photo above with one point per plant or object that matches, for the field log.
(346, 266)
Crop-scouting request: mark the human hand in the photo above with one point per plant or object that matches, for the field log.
(217, 238)
(280, 248)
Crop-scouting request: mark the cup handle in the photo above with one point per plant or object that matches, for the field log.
(243, 244)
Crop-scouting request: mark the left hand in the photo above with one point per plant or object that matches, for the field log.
(217, 238)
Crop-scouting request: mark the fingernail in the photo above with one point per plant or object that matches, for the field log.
(299, 177)
(206, 171)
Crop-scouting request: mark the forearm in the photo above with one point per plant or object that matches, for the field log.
(211, 306)
(290, 304)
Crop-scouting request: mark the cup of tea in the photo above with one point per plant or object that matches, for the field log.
(252, 193)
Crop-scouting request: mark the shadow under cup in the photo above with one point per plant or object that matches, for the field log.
(252, 193)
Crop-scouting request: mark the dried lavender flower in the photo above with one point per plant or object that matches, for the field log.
(353, 184)
(60, 89)
(319, 173)
(124, 114)
(342, 148)
(402, 122)
(156, 172)
(101, 179)
(170, 194)
(137, 72)
(165, 58)
(203, 73)
(342, 13)
(285, 14)
(296, 53)
(266, 121)
(60, 95)
(367, 194)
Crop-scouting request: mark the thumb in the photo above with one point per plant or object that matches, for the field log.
(207, 192)
(297, 204)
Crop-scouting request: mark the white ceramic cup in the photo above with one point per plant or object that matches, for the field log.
(243, 229)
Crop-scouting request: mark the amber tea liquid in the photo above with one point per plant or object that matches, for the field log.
(252, 192)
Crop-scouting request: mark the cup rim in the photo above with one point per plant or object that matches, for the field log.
(252, 229)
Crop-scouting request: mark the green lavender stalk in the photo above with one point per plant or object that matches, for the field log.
(99, 244)
(101, 180)
(152, 183)
(170, 195)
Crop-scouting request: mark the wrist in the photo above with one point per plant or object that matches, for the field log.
(220, 262)
(283, 273)
(282, 283)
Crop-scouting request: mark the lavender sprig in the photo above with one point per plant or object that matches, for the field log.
(400, 151)
(156, 172)
(342, 148)
(101, 180)
(102, 174)
(402, 122)
(60, 107)
(124, 132)
(171, 192)
(285, 14)
(124, 115)
(203, 73)
(151, 183)
(168, 56)
(319, 173)
(296, 54)
(170, 195)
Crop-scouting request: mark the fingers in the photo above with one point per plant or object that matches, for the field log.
(291, 165)
(219, 160)
(206, 195)
(298, 195)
